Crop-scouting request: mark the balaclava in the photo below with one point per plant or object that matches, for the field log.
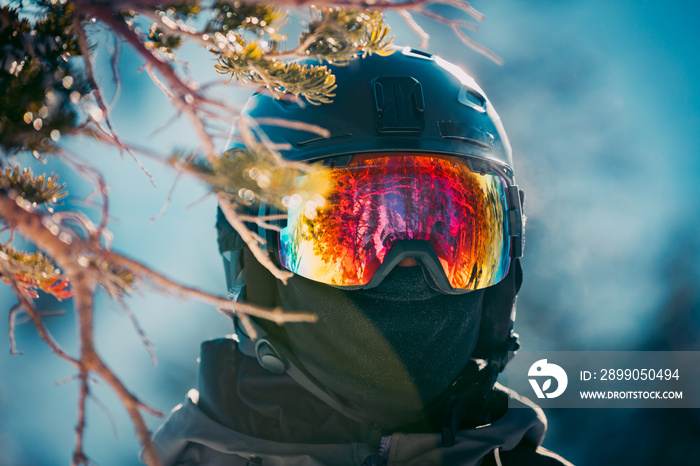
(386, 353)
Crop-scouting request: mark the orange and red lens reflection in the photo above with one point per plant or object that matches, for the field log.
(378, 200)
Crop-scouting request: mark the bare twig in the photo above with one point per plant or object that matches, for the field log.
(156, 80)
(95, 178)
(43, 313)
(90, 361)
(455, 27)
(448, 21)
(139, 330)
(276, 315)
(183, 96)
(169, 196)
(298, 125)
(87, 60)
(102, 186)
(167, 123)
(78, 455)
(249, 238)
(415, 27)
(107, 414)
(115, 70)
(89, 228)
(111, 137)
(262, 220)
(248, 326)
(28, 307)
(134, 407)
(12, 318)
(464, 6)
(199, 201)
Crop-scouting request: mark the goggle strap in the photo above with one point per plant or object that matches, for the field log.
(262, 232)
(496, 330)
(515, 220)
(269, 235)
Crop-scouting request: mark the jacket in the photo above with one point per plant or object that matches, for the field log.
(230, 420)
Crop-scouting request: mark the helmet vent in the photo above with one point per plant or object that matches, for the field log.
(312, 141)
(417, 53)
(466, 132)
(472, 98)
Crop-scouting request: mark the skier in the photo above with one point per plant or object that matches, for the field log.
(412, 267)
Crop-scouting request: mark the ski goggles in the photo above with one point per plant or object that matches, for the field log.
(461, 221)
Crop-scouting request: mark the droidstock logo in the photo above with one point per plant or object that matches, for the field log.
(542, 369)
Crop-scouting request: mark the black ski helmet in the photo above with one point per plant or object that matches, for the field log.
(409, 101)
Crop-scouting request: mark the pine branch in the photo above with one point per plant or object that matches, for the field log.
(341, 34)
(247, 62)
(31, 271)
(257, 18)
(44, 334)
(37, 81)
(455, 25)
(39, 189)
(259, 175)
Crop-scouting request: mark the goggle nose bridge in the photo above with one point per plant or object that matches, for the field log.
(429, 261)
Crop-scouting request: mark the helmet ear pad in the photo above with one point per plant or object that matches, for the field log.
(499, 313)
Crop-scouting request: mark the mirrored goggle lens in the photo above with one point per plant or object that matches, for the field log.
(378, 200)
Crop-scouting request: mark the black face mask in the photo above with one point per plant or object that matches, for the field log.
(385, 353)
